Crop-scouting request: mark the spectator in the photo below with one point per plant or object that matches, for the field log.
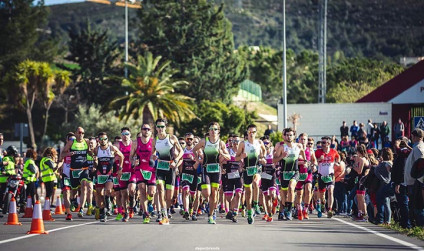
(340, 192)
(375, 135)
(370, 126)
(384, 132)
(362, 132)
(385, 189)
(402, 151)
(334, 142)
(344, 144)
(344, 130)
(354, 129)
(416, 153)
(399, 129)
(269, 131)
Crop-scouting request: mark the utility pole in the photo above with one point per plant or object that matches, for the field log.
(284, 67)
(322, 47)
(126, 38)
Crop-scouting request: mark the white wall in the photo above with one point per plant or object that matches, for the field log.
(415, 94)
(325, 119)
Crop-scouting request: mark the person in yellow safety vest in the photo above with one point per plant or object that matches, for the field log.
(30, 173)
(47, 170)
(7, 170)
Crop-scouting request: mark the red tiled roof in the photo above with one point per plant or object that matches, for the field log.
(396, 85)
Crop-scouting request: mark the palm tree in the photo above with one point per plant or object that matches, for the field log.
(151, 92)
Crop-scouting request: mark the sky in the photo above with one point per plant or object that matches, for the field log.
(51, 2)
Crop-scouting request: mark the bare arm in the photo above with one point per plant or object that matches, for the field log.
(197, 148)
(224, 152)
(240, 152)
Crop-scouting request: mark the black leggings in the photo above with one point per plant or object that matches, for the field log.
(30, 191)
(49, 188)
(2, 190)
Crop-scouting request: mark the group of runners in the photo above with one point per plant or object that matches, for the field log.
(148, 175)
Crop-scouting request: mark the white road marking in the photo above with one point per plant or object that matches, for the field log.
(53, 230)
(407, 244)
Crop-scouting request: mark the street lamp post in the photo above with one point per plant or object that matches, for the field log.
(126, 38)
(284, 68)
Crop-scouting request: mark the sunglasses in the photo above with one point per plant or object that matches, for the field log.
(81, 132)
(252, 132)
(189, 139)
(213, 129)
(125, 133)
(235, 141)
(146, 129)
(266, 143)
(310, 144)
(103, 138)
(160, 126)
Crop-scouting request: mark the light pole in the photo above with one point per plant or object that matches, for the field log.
(284, 68)
(126, 37)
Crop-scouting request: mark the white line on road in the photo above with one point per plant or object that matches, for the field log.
(53, 230)
(407, 244)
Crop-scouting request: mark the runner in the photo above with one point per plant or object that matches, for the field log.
(268, 185)
(65, 170)
(188, 175)
(78, 150)
(233, 187)
(105, 154)
(306, 168)
(126, 187)
(169, 154)
(252, 153)
(92, 144)
(144, 175)
(361, 168)
(288, 154)
(214, 152)
(326, 158)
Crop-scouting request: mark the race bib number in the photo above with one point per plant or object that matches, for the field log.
(266, 176)
(76, 173)
(125, 176)
(101, 179)
(212, 168)
(115, 181)
(233, 175)
(67, 182)
(277, 182)
(94, 180)
(325, 168)
(199, 179)
(288, 175)
(303, 176)
(327, 178)
(163, 165)
(188, 177)
(251, 170)
(147, 175)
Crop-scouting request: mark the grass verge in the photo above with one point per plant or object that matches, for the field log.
(417, 232)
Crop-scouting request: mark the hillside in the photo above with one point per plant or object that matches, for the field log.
(380, 28)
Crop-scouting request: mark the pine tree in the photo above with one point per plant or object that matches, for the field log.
(197, 38)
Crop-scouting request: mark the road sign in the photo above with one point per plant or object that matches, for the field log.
(419, 122)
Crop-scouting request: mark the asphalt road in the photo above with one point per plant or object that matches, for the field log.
(318, 234)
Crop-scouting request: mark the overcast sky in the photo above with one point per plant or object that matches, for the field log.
(50, 2)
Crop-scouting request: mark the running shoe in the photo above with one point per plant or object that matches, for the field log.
(214, 215)
(299, 215)
(150, 207)
(169, 214)
(211, 220)
(146, 220)
(194, 217)
(222, 211)
(90, 211)
(281, 216)
(103, 218)
(305, 214)
(118, 217)
(257, 209)
(234, 218)
(243, 213)
(186, 216)
(289, 215)
(229, 216)
(159, 219)
(126, 217)
(164, 221)
(330, 214)
(81, 213)
(115, 211)
(131, 213)
(69, 217)
(172, 210)
(269, 219)
(250, 219)
(265, 217)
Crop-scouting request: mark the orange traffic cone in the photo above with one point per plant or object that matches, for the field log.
(37, 224)
(63, 203)
(13, 216)
(28, 208)
(47, 215)
(58, 206)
